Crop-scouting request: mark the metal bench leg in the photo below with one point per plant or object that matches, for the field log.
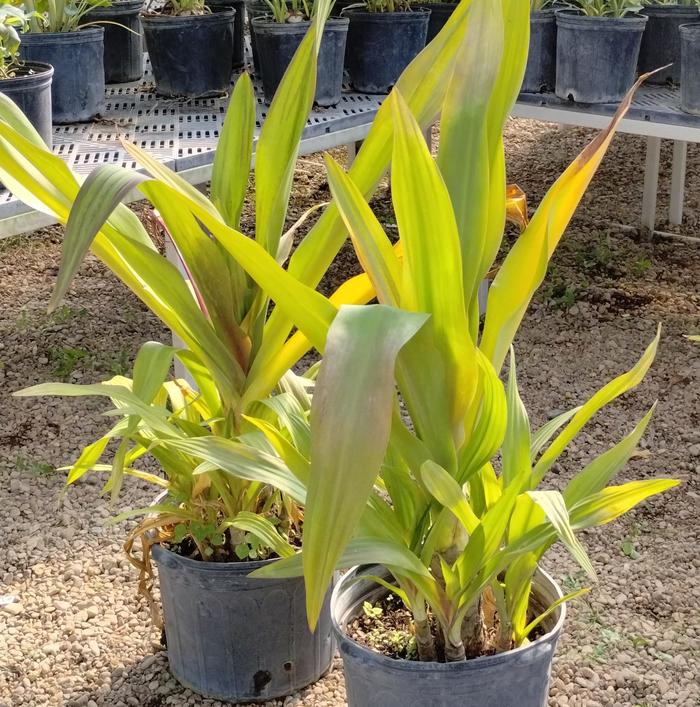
(353, 148)
(651, 184)
(680, 152)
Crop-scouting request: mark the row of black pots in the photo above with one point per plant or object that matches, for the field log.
(595, 60)
(374, 48)
(233, 637)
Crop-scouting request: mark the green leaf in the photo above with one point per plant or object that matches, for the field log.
(603, 468)
(234, 153)
(449, 494)
(350, 425)
(265, 532)
(552, 608)
(545, 433)
(516, 445)
(554, 507)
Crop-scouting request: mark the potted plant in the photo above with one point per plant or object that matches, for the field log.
(55, 36)
(542, 56)
(27, 84)
(440, 12)
(690, 66)
(123, 42)
(277, 37)
(597, 49)
(383, 37)
(190, 46)
(661, 42)
(238, 27)
(228, 636)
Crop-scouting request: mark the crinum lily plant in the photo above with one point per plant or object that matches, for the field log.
(419, 457)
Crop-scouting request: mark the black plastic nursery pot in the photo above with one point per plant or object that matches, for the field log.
(516, 678)
(238, 27)
(542, 56)
(78, 86)
(661, 42)
(690, 68)
(234, 637)
(277, 42)
(440, 12)
(254, 10)
(30, 89)
(596, 56)
(191, 56)
(381, 45)
(123, 53)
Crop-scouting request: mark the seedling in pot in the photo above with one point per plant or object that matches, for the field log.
(13, 20)
(606, 8)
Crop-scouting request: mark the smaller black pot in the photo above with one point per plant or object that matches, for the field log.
(440, 12)
(78, 86)
(235, 637)
(238, 27)
(661, 42)
(254, 10)
(191, 56)
(381, 45)
(690, 68)
(123, 55)
(596, 56)
(277, 44)
(540, 71)
(30, 89)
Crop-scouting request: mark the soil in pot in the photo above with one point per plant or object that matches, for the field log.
(690, 68)
(238, 27)
(277, 43)
(30, 89)
(661, 41)
(233, 637)
(381, 45)
(542, 56)
(440, 12)
(191, 56)
(596, 56)
(123, 42)
(78, 86)
(384, 673)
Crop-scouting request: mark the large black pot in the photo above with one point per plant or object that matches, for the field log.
(276, 44)
(596, 56)
(661, 42)
(542, 56)
(234, 637)
(517, 678)
(381, 45)
(238, 27)
(690, 68)
(440, 12)
(30, 89)
(191, 56)
(78, 86)
(123, 54)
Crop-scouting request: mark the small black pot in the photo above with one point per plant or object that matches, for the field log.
(238, 27)
(78, 86)
(690, 68)
(661, 43)
(254, 10)
(381, 45)
(234, 637)
(542, 57)
(440, 12)
(277, 43)
(516, 678)
(191, 56)
(596, 56)
(340, 5)
(123, 56)
(30, 89)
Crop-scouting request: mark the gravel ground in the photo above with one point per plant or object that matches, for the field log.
(79, 636)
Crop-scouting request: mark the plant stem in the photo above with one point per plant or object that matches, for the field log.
(473, 631)
(424, 640)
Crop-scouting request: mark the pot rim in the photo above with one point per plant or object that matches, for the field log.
(44, 71)
(283, 27)
(217, 14)
(395, 664)
(690, 30)
(400, 15)
(573, 18)
(688, 10)
(83, 34)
